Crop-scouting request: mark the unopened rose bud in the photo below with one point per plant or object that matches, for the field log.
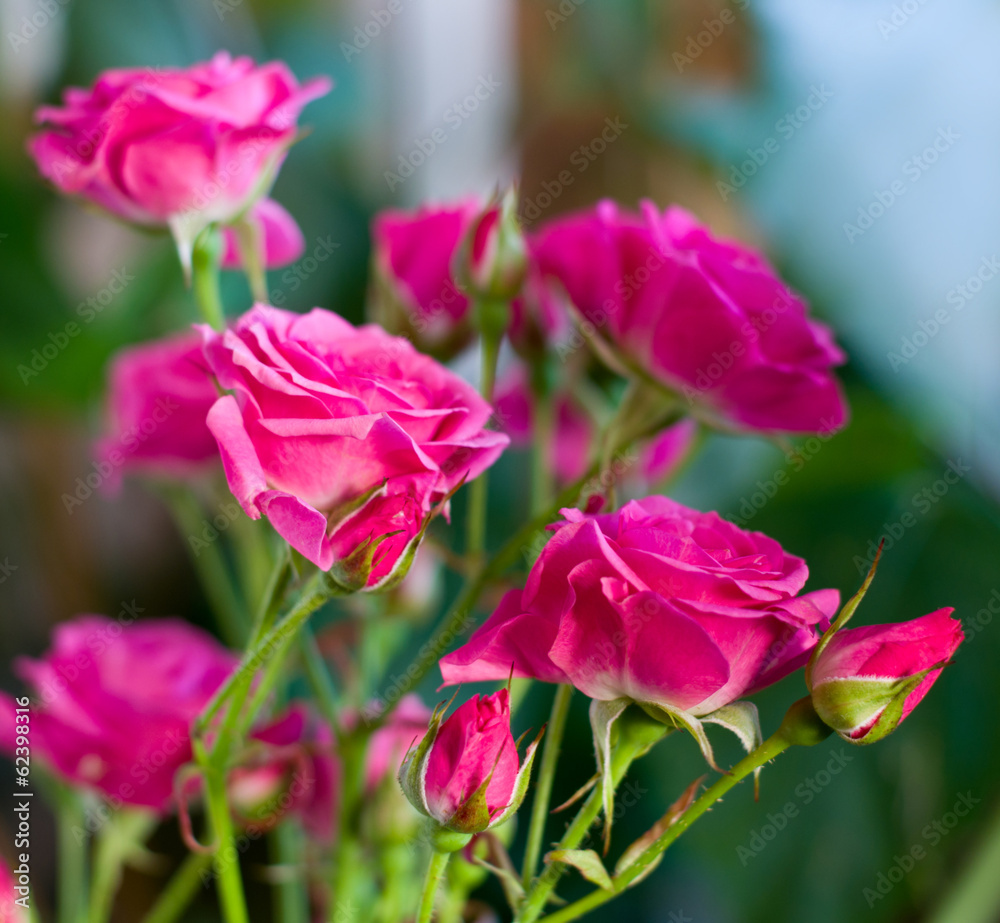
(865, 681)
(494, 260)
(465, 774)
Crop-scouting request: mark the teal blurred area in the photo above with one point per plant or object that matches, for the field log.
(784, 123)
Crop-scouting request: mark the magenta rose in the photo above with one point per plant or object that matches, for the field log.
(705, 317)
(182, 147)
(465, 773)
(159, 395)
(346, 438)
(414, 255)
(113, 702)
(656, 603)
(865, 681)
(282, 239)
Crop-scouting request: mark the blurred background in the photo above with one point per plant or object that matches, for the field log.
(789, 124)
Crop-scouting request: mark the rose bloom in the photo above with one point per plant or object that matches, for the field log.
(112, 703)
(865, 681)
(346, 438)
(283, 242)
(704, 317)
(657, 603)
(414, 254)
(151, 145)
(159, 395)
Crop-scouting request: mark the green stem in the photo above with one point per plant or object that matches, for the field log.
(542, 887)
(291, 900)
(543, 426)
(73, 874)
(318, 677)
(546, 776)
(475, 545)
(764, 753)
(975, 895)
(180, 890)
(205, 277)
(120, 838)
(435, 872)
(209, 563)
(227, 862)
(347, 851)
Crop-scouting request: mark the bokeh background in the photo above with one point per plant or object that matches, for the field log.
(785, 123)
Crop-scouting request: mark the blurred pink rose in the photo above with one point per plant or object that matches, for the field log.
(283, 241)
(159, 395)
(183, 147)
(414, 257)
(10, 910)
(708, 318)
(389, 744)
(345, 438)
(660, 457)
(113, 701)
(657, 603)
(865, 681)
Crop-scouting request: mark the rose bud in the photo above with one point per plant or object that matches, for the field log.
(706, 319)
(346, 438)
(113, 703)
(175, 147)
(493, 259)
(415, 292)
(464, 773)
(865, 681)
(159, 395)
(281, 236)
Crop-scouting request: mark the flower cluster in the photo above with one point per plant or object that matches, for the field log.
(628, 333)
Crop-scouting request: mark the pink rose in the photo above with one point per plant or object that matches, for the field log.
(183, 147)
(159, 395)
(346, 438)
(865, 681)
(661, 456)
(113, 703)
(707, 318)
(414, 268)
(283, 241)
(656, 603)
(465, 773)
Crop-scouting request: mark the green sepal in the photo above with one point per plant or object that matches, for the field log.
(843, 617)
(413, 771)
(678, 718)
(587, 863)
(520, 784)
(603, 716)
